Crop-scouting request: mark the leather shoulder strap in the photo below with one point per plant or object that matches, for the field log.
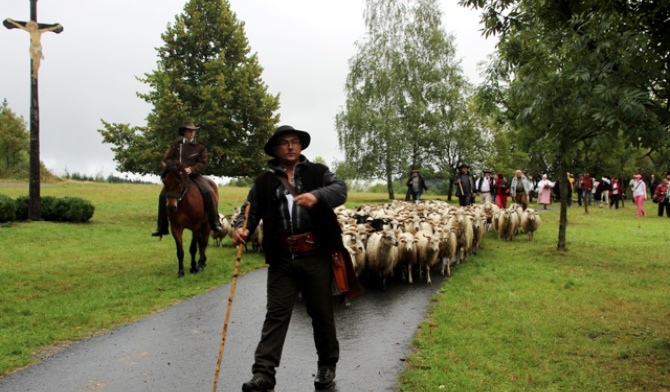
(287, 185)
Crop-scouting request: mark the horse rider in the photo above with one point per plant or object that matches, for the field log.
(193, 156)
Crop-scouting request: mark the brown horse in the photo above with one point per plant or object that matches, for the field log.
(186, 210)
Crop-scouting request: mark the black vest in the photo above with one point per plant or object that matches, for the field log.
(326, 227)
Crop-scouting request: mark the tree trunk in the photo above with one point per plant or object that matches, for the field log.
(389, 186)
(564, 183)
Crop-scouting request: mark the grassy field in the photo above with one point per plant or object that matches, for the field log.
(518, 316)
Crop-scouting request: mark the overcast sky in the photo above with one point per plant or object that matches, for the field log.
(89, 70)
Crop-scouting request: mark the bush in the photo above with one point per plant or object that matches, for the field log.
(22, 205)
(7, 209)
(49, 212)
(76, 209)
(66, 209)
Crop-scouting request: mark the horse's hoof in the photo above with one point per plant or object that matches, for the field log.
(180, 274)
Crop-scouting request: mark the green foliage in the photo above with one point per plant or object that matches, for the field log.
(54, 209)
(14, 140)
(66, 209)
(7, 209)
(569, 78)
(241, 182)
(205, 73)
(22, 206)
(406, 96)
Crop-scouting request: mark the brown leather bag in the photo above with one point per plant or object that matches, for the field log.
(340, 270)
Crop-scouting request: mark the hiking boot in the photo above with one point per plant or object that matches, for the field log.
(217, 228)
(160, 232)
(325, 377)
(259, 383)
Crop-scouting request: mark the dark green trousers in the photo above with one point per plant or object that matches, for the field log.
(312, 276)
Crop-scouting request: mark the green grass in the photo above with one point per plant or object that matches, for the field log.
(518, 316)
(65, 282)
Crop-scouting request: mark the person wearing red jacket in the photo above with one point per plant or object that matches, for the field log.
(587, 184)
(662, 196)
(615, 192)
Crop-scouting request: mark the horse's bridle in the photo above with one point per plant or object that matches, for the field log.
(184, 184)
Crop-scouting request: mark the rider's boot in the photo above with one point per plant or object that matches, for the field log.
(213, 214)
(162, 221)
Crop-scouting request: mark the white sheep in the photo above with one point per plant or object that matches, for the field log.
(381, 254)
(256, 238)
(352, 242)
(530, 222)
(448, 244)
(428, 250)
(407, 254)
(508, 225)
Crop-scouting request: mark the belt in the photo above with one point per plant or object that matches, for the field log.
(298, 244)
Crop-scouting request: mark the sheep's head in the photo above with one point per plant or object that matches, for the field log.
(390, 239)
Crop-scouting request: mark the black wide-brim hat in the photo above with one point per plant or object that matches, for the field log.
(463, 165)
(187, 125)
(283, 130)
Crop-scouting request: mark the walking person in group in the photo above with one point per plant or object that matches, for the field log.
(587, 185)
(639, 194)
(501, 190)
(615, 192)
(194, 157)
(465, 186)
(596, 191)
(299, 233)
(605, 185)
(520, 188)
(416, 185)
(544, 188)
(662, 196)
(485, 186)
(578, 188)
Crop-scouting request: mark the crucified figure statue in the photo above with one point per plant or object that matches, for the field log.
(35, 30)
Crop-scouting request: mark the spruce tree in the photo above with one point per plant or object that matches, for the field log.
(205, 73)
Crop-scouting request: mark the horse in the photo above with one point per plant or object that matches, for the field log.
(186, 210)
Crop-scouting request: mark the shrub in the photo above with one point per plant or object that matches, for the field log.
(49, 212)
(22, 203)
(76, 209)
(65, 209)
(7, 209)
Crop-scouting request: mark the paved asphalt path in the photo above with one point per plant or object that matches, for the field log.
(176, 349)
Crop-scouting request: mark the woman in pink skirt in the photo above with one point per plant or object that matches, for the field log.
(639, 194)
(544, 188)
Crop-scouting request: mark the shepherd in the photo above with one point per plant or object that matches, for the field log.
(295, 200)
(194, 158)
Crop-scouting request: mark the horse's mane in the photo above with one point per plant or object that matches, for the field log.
(172, 167)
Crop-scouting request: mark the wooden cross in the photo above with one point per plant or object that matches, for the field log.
(35, 30)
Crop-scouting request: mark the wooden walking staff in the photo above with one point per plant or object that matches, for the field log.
(35, 30)
(231, 296)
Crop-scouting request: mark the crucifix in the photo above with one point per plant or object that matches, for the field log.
(35, 30)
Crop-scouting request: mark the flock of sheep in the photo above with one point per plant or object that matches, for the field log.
(406, 238)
